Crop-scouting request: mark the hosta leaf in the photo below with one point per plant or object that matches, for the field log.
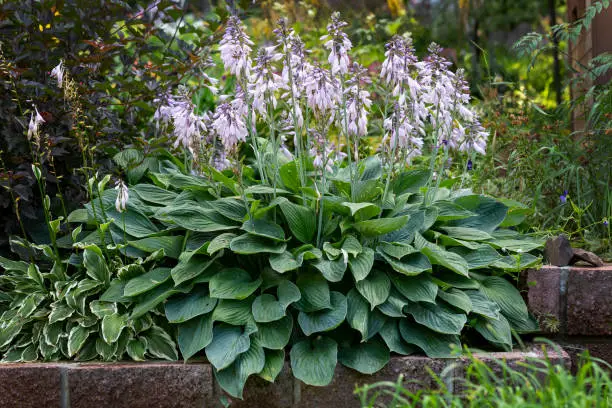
(136, 223)
(366, 358)
(497, 331)
(324, 320)
(333, 271)
(76, 338)
(466, 233)
(361, 318)
(227, 344)
(10, 265)
(275, 361)
(136, 349)
(380, 226)
(418, 288)
(362, 211)
(313, 361)
(232, 208)
(105, 350)
(181, 308)
(60, 312)
(397, 251)
(490, 213)
(481, 257)
(516, 263)
(160, 344)
(284, 262)
(375, 288)
(191, 265)
(447, 259)
(301, 221)
(233, 378)
(391, 335)
(221, 241)
(362, 264)
(405, 235)
(248, 244)
(435, 345)
(448, 279)
(394, 305)
(456, 298)
(410, 181)
(275, 335)
(154, 194)
(267, 309)
(112, 326)
(482, 305)
(114, 293)
(447, 211)
(233, 283)
(437, 317)
(507, 297)
(194, 335)
(265, 229)
(146, 282)
(288, 293)
(234, 312)
(195, 218)
(315, 292)
(410, 265)
(171, 245)
(151, 299)
(95, 264)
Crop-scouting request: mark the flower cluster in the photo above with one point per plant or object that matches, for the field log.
(338, 44)
(235, 48)
(36, 120)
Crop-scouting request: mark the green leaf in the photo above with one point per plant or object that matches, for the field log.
(448, 211)
(481, 257)
(60, 312)
(112, 326)
(95, 264)
(362, 264)
(172, 245)
(366, 358)
(301, 221)
(160, 344)
(390, 333)
(497, 331)
(233, 283)
(248, 244)
(380, 226)
(447, 259)
(284, 262)
(490, 213)
(324, 320)
(114, 293)
(275, 335)
(315, 292)
(482, 305)
(267, 309)
(154, 194)
(265, 229)
(227, 344)
(230, 207)
(195, 218)
(314, 361)
(105, 350)
(10, 265)
(221, 241)
(288, 293)
(418, 288)
(233, 378)
(509, 299)
(361, 318)
(181, 308)
(136, 349)
(397, 251)
(135, 223)
(151, 299)
(194, 335)
(516, 245)
(410, 181)
(411, 265)
(394, 306)
(466, 233)
(434, 344)
(275, 361)
(456, 298)
(438, 317)
(375, 288)
(76, 339)
(333, 271)
(146, 282)
(234, 312)
(192, 265)
(362, 211)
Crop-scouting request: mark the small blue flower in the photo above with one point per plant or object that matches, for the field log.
(563, 197)
(605, 222)
(469, 165)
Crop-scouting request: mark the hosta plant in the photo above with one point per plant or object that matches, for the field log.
(271, 233)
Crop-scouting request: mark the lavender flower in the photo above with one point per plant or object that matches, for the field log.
(265, 82)
(322, 91)
(58, 73)
(402, 134)
(475, 138)
(35, 121)
(229, 125)
(396, 68)
(322, 152)
(235, 47)
(470, 165)
(339, 45)
(563, 197)
(122, 196)
(188, 126)
(358, 102)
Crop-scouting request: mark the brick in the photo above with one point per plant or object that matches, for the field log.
(589, 301)
(140, 385)
(30, 385)
(600, 348)
(544, 299)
